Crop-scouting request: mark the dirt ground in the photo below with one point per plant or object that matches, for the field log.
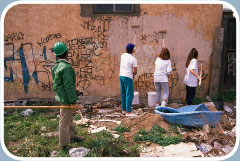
(144, 121)
(214, 141)
(220, 139)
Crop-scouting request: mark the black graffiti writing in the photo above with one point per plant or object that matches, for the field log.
(14, 36)
(48, 38)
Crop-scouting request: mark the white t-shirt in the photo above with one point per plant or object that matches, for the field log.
(190, 79)
(162, 69)
(126, 66)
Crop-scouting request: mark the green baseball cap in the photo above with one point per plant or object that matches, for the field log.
(60, 48)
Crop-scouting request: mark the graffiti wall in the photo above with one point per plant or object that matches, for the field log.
(96, 44)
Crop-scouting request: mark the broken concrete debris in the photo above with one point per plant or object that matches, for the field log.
(96, 130)
(83, 121)
(178, 150)
(202, 142)
(114, 121)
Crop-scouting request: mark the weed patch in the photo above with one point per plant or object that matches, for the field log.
(22, 136)
(121, 129)
(158, 135)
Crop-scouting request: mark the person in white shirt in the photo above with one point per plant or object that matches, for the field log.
(191, 76)
(163, 70)
(128, 69)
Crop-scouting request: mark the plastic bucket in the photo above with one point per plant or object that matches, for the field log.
(151, 98)
(136, 98)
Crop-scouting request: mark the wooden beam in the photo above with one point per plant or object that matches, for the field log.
(40, 107)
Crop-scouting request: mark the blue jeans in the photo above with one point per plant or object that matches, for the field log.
(126, 85)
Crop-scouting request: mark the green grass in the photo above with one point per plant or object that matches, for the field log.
(226, 95)
(121, 129)
(158, 135)
(22, 136)
(199, 100)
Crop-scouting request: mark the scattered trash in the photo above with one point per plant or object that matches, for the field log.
(116, 136)
(227, 149)
(206, 128)
(82, 121)
(180, 132)
(97, 130)
(24, 103)
(27, 112)
(230, 133)
(178, 150)
(148, 143)
(217, 145)
(78, 152)
(114, 115)
(234, 131)
(43, 128)
(104, 111)
(208, 98)
(114, 121)
(54, 153)
(227, 109)
(213, 141)
(51, 134)
(205, 148)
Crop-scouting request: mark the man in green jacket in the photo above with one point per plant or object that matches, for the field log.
(64, 86)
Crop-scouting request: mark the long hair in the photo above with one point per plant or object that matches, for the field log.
(193, 54)
(165, 54)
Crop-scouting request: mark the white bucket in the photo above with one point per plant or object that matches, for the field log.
(151, 98)
(136, 98)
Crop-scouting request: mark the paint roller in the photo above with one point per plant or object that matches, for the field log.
(135, 36)
(162, 32)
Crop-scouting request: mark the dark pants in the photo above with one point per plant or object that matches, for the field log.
(190, 94)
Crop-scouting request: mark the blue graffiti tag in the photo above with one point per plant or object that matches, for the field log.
(44, 53)
(25, 71)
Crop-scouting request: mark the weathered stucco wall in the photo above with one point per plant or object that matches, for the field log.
(96, 44)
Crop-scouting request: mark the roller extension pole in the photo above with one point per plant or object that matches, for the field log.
(200, 81)
(42, 107)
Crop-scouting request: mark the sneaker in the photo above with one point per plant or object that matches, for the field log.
(163, 104)
(131, 115)
(124, 112)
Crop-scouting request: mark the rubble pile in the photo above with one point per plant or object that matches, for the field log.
(210, 141)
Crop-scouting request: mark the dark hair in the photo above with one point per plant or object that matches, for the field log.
(165, 54)
(129, 48)
(64, 55)
(193, 54)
